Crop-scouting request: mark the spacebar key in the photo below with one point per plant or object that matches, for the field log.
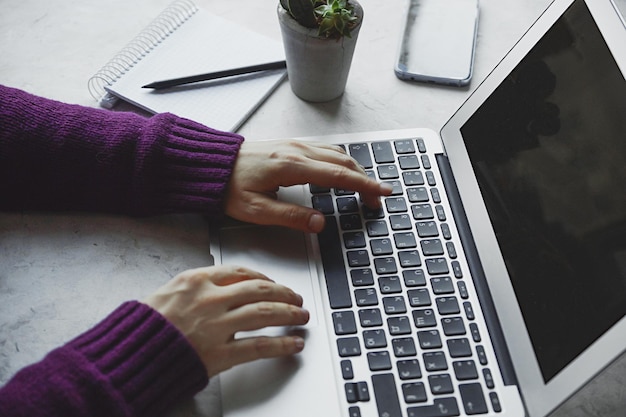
(334, 267)
(386, 395)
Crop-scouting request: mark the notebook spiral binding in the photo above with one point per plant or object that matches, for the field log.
(156, 32)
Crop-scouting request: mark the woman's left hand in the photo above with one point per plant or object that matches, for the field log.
(263, 167)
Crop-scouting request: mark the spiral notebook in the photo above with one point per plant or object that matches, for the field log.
(186, 40)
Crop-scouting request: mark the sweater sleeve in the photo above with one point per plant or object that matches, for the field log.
(133, 363)
(56, 156)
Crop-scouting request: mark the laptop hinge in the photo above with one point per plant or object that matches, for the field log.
(476, 269)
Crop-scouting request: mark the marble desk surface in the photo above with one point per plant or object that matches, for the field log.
(61, 273)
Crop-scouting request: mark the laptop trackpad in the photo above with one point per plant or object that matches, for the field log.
(302, 384)
(277, 252)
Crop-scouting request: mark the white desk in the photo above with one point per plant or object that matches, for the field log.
(61, 273)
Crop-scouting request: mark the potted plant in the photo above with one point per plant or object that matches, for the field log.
(319, 37)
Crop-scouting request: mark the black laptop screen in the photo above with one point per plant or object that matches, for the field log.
(549, 151)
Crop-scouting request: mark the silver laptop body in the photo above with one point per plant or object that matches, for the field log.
(493, 282)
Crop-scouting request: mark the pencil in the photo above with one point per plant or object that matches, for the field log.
(215, 75)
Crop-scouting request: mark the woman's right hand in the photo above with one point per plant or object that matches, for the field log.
(210, 305)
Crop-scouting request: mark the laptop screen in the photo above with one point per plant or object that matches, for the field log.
(549, 152)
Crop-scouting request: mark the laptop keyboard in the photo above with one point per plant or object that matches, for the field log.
(406, 332)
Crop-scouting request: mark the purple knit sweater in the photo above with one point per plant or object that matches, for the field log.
(55, 156)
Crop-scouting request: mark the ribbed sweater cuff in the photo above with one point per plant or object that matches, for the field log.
(198, 162)
(146, 359)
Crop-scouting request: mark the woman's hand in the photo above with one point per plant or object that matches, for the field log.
(263, 167)
(209, 305)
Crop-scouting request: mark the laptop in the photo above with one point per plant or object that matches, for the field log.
(493, 280)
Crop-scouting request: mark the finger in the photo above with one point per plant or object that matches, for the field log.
(281, 213)
(224, 275)
(255, 291)
(250, 349)
(265, 314)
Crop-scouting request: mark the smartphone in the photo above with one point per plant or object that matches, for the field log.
(438, 42)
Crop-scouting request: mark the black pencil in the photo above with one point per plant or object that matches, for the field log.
(215, 75)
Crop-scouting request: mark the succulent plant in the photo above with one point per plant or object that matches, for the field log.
(332, 18)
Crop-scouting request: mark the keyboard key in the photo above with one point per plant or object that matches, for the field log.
(346, 369)
(419, 297)
(383, 154)
(377, 228)
(431, 247)
(379, 361)
(396, 205)
(424, 318)
(353, 240)
(403, 347)
(417, 194)
(441, 407)
(404, 240)
(430, 178)
(351, 392)
(363, 392)
(447, 305)
(354, 411)
(349, 346)
(475, 332)
(386, 265)
(370, 317)
(421, 145)
(453, 326)
(441, 213)
(390, 285)
(495, 402)
(434, 193)
(442, 285)
(408, 162)
(381, 247)
(404, 146)
(413, 178)
(429, 339)
(361, 152)
(409, 259)
(465, 370)
(426, 162)
(323, 203)
(409, 369)
(473, 399)
(469, 311)
(445, 231)
(427, 229)
(437, 266)
(387, 401)
(414, 277)
(435, 361)
(422, 212)
(334, 268)
(488, 378)
(400, 222)
(366, 297)
(388, 172)
(440, 384)
(414, 392)
(357, 258)
(362, 277)
(394, 305)
(482, 355)
(459, 348)
(347, 205)
(350, 221)
(399, 325)
(373, 339)
(344, 322)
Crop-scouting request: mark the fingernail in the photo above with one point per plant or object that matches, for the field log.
(386, 188)
(299, 343)
(316, 223)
